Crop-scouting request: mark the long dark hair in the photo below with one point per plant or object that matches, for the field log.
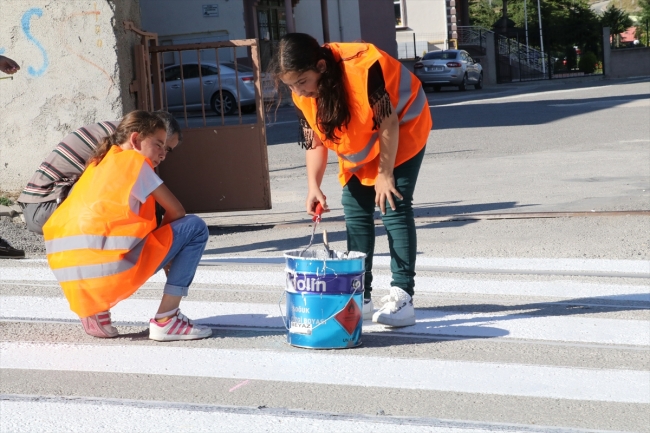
(300, 52)
(142, 122)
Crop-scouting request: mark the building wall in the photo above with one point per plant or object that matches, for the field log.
(378, 24)
(183, 22)
(427, 21)
(307, 16)
(76, 68)
(629, 62)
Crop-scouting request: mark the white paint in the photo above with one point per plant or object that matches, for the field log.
(558, 289)
(299, 366)
(74, 416)
(518, 96)
(577, 328)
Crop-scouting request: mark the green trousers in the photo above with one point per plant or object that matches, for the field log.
(359, 208)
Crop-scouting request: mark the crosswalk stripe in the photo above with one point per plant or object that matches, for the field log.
(560, 289)
(133, 417)
(641, 267)
(450, 323)
(335, 369)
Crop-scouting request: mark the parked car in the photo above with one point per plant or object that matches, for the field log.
(211, 96)
(449, 68)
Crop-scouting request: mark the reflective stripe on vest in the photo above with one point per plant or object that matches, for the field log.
(413, 111)
(74, 273)
(91, 242)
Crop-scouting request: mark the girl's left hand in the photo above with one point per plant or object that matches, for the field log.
(385, 190)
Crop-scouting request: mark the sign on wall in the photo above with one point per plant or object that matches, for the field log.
(210, 11)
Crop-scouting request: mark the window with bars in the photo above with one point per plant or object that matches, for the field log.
(400, 16)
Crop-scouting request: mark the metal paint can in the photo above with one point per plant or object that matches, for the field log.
(324, 299)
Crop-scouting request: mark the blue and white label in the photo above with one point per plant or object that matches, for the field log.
(330, 284)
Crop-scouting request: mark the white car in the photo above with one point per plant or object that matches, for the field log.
(190, 82)
(449, 68)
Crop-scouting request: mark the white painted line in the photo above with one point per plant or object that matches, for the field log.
(74, 416)
(520, 96)
(301, 366)
(577, 328)
(518, 264)
(559, 288)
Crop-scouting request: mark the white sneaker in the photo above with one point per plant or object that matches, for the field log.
(397, 311)
(177, 328)
(368, 309)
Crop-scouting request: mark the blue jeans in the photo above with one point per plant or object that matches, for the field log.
(190, 238)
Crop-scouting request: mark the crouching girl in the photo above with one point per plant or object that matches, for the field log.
(103, 242)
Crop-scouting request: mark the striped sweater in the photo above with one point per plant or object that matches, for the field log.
(63, 166)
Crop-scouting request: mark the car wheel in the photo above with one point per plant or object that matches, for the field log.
(229, 103)
(479, 83)
(463, 86)
(436, 88)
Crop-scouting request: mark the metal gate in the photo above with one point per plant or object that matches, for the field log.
(222, 163)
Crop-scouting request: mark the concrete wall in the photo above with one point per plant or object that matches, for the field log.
(378, 24)
(629, 62)
(184, 22)
(76, 67)
(307, 16)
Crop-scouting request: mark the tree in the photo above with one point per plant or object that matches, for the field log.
(643, 22)
(484, 13)
(617, 20)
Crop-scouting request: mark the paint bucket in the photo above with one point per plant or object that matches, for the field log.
(324, 299)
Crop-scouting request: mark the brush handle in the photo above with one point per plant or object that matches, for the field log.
(318, 212)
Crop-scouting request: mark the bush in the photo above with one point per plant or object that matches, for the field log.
(588, 63)
(4, 201)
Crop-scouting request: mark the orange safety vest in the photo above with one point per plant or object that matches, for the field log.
(358, 147)
(100, 251)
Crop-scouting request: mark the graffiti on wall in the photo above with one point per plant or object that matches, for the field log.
(25, 23)
(36, 70)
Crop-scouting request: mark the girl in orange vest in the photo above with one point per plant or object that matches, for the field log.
(364, 105)
(103, 242)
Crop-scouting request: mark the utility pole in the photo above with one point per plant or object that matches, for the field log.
(526, 27)
(541, 37)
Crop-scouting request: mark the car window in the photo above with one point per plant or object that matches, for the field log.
(190, 71)
(463, 56)
(173, 73)
(208, 70)
(444, 55)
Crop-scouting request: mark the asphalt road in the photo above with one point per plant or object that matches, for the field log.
(532, 294)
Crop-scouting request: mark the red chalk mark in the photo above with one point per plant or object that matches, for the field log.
(238, 386)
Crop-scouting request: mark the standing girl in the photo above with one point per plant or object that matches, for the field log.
(361, 103)
(103, 242)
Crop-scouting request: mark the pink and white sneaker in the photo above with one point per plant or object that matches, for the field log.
(177, 328)
(99, 325)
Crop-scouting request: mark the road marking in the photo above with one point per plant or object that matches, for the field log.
(298, 366)
(565, 289)
(502, 324)
(110, 415)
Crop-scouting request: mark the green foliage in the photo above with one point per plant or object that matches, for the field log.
(588, 63)
(4, 201)
(482, 14)
(617, 20)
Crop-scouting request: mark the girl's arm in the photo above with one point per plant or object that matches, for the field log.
(385, 183)
(173, 208)
(316, 161)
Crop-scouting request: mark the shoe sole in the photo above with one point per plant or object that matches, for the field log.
(180, 337)
(394, 323)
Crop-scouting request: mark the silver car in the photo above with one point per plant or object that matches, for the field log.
(190, 83)
(449, 68)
